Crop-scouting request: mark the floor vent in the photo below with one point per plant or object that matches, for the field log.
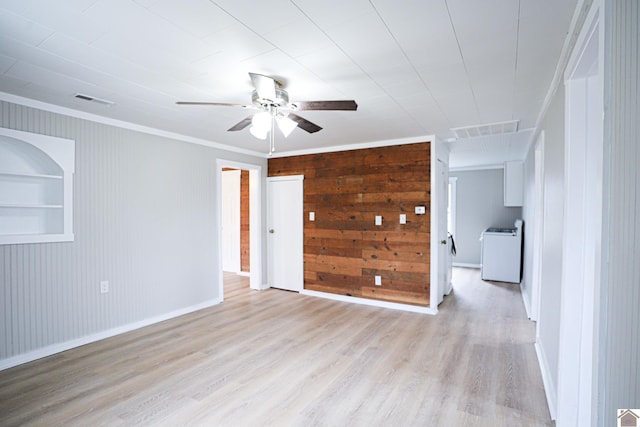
(499, 128)
(94, 99)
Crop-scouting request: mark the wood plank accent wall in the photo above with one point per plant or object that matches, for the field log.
(343, 248)
(244, 222)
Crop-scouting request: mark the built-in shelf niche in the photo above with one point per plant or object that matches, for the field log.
(36, 188)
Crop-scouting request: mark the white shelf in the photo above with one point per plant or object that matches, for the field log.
(29, 175)
(27, 206)
(36, 188)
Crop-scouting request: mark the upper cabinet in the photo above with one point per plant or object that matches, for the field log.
(36, 188)
(513, 183)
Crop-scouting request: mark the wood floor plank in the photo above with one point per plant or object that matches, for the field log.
(277, 358)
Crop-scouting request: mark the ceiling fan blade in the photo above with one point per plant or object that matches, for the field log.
(304, 123)
(265, 86)
(241, 124)
(224, 104)
(349, 105)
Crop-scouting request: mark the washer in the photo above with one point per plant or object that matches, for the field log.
(502, 253)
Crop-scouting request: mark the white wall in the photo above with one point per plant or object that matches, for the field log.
(547, 340)
(619, 374)
(479, 205)
(144, 219)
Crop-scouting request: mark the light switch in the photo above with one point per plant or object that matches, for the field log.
(312, 216)
(403, 218)
(378, 219)
(421, 210)
(378, 280)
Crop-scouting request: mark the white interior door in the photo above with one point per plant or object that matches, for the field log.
(285, 232)
(231, 221)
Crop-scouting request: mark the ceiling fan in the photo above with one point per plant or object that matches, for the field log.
(274, 107)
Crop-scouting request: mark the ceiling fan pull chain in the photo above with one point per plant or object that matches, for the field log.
(272, 138)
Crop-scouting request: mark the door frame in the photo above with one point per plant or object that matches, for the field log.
(538, 227)
(255, 222)
(577, 401)
(439, 152)
(231, 230)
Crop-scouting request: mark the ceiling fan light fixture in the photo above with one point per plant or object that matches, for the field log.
(262, 121)
(258, 133)
(286, 125)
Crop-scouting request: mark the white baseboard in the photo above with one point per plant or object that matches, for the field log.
(67, 345)
(371, 302)
(244, 273)
(525, 300)
(466, 265)
(549, 386)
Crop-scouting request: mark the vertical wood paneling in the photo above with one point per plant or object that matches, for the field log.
(343, 247)
(245, 243)
(144, 219)
(620, 373)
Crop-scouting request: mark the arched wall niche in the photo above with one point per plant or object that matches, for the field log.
(36, 188)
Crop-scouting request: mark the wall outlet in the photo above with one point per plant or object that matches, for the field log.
(378, 219)
(403, 218)
(104, 286)
(421, 210)
(312, 216)
(378, 280)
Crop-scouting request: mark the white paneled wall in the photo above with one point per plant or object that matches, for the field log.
(620, 369)
(144, 219)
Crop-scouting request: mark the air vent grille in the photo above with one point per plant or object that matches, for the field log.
(499, 128)
(94, 99)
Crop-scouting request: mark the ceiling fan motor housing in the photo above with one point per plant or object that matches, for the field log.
(282, 99)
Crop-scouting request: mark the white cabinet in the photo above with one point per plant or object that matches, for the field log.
(36, 188)
(513, 183)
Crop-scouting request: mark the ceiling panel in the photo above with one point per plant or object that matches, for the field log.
(413, 67)
(200, 18)
(22, 29)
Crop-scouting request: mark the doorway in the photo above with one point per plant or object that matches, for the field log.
(254, 222)
(584, 153)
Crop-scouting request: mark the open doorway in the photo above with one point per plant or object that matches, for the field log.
(239, 225)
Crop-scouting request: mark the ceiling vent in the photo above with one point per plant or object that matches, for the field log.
(94, 99)
(499, 128)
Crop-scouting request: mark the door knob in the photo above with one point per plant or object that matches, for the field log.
(271, 231)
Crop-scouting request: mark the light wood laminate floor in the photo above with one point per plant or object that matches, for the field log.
(278, 358)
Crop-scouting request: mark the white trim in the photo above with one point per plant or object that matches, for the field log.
(67, 345)
(538, 226)
(525, 300)
(466, 265)
(370, 302)
(549, 389)
(475, 168)
(453, 205)
(582, 228)
(579, 16)
(27, 102)
(255, 222)
(362, 145)
(286, 178)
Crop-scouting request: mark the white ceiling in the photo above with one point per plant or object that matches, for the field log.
(415, 67)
